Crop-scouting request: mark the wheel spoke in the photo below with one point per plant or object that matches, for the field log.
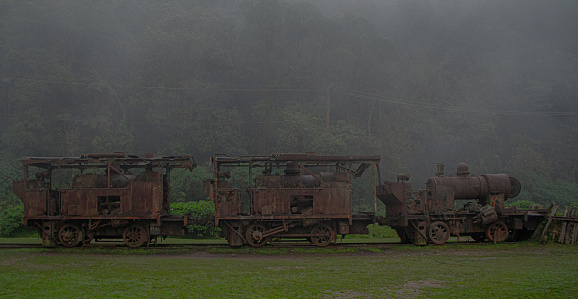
(323, 235)
(254, 235)
(70, 235)
(438, 232)
(135, 236)
(498, 232)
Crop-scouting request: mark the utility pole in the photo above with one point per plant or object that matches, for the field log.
(327, 116)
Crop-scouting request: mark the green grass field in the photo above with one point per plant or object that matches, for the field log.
(519, 270)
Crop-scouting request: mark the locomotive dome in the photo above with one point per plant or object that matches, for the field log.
(463, 169)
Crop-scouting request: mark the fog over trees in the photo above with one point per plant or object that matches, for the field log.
(490, 83)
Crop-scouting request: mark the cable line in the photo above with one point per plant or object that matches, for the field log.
(338, 90)
(393, 100)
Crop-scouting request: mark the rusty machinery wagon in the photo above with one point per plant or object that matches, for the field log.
(464, 205)
(297, 196)
(74, 200)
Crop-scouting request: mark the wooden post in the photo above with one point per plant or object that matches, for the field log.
(554, 209)
(564, 226)
(574, 226)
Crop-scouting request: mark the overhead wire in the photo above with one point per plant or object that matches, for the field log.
(394, 100)
(338, 90)
(226, 87)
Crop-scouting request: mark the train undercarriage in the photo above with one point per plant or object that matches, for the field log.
(320, 232)
(72, 232)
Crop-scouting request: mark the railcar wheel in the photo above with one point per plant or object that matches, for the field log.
(135, 236)
(324, 235)
(254, 235)
(438, 232)
(70, 235)
(497, 232)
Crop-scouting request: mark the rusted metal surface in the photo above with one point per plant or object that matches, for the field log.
(73, 200)
(300, 196)
(287, 196)
(464, 205)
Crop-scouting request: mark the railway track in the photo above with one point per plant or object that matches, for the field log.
(111, 245)
(18, 245)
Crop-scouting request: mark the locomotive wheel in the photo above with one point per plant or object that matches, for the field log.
(254, 235)
(497, 232)
(438, 232)
(70, 235)
(324, 235)
(135, 236)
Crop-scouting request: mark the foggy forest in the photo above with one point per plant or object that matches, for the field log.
(419, 82)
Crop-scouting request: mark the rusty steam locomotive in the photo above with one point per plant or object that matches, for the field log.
(463, 205)
(300, 196)
(109, 196)
(282, 196)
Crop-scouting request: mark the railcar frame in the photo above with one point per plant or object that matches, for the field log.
(301, 196)
(109, 196)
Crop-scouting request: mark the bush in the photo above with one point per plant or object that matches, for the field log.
(525, 205)
(381, 232)
(376, 232)
(11, 220)
(203, 213)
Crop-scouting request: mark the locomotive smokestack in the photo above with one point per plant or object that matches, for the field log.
(440, 169)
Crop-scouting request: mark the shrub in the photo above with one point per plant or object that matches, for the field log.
(202, 213)
(11, 219)
(381, 232)
(376, 232)
(525, 205)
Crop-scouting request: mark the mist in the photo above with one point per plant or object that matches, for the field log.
(489, 83)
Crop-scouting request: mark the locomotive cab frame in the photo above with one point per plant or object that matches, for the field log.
(299, 196)
(74, 200)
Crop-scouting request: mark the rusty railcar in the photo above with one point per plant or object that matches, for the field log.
(298, 196)
(464, 205)
(74, 200)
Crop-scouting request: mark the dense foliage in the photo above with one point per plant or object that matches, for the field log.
(525, 204)
(11, 220)
(199, 210)
(491, 83)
